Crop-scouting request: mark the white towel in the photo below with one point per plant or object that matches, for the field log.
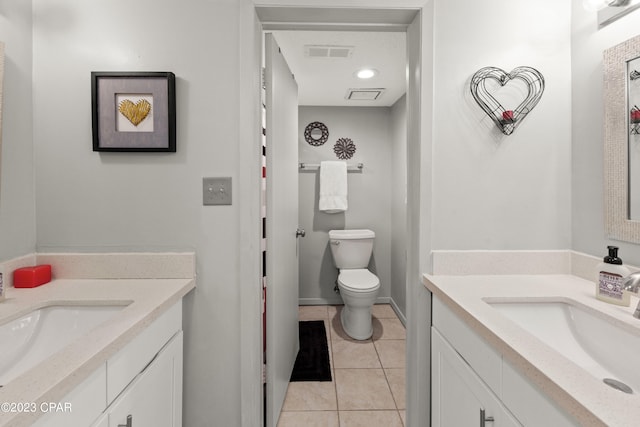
(333, 187)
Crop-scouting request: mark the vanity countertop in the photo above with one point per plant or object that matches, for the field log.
(55, 377)
(590, 401)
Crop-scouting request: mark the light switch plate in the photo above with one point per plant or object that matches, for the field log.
(216, 191)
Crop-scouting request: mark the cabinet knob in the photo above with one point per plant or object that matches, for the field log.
(129, 422)
(484, 419)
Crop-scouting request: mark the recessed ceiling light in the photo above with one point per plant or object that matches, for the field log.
(366, 73)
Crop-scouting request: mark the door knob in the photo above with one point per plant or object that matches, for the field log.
(300, 232)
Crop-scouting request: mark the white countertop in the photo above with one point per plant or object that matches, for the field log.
(55, 377)
(589, 400)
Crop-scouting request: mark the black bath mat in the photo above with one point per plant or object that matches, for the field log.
(312, 362)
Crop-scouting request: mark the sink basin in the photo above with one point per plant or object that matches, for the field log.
(30, 339)
(607, 350)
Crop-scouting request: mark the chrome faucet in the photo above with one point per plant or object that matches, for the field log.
(631, 283)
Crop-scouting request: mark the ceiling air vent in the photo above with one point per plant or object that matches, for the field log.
(362, 94)
(327, 51)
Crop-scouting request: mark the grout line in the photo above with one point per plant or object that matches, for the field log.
(395, 402)
(335, 378)
(332, 361)
(368, 410)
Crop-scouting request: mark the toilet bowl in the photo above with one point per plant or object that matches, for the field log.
(351, 250)
(359, 290)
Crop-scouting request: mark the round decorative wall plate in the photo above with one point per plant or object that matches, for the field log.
(344, 148)
(316, 133)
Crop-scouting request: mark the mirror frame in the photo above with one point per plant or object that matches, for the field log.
(1, 84)
(616, 142)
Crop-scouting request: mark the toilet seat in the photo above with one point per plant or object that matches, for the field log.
(358, 280)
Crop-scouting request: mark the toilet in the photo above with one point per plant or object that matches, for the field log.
(351, 250)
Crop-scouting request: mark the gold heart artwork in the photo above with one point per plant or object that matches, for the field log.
(135, 113)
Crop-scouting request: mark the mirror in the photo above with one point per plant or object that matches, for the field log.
(633, 105)
(622, 140)
(316, 134)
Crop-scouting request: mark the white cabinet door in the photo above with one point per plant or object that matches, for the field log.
(154, 397)
(459, 397)
(135, 356)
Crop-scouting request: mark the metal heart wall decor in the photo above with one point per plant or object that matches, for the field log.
(507, 120)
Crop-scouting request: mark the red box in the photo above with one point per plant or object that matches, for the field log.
(31, 277)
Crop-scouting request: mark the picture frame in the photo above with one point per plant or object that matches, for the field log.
(133, 111)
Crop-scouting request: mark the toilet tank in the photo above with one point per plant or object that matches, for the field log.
(351, 248)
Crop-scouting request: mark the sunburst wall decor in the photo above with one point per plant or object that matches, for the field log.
(344, 148)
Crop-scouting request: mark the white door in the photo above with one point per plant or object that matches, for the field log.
(281, 226)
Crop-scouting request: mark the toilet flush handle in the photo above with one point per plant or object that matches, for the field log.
(300, 232)
(335, 242)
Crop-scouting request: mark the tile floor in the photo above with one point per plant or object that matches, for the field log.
(368, 387)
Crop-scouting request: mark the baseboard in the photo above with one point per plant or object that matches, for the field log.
(336, 301)
(400, 315)
(320, 301)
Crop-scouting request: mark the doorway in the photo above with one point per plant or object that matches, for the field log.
(325, 64)
(257, 19)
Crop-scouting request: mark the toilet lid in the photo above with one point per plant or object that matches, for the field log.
(358, 279)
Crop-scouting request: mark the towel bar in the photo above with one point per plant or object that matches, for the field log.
(309, 166)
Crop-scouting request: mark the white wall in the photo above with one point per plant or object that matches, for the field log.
(398, 197)
(116, 201)
(493, 191)
(588, 44)
(369, 196)
(489, 192)
(17, 197)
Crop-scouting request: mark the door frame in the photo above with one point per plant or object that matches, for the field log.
(419, 127)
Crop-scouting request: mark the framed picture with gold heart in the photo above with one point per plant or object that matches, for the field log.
(134, 111)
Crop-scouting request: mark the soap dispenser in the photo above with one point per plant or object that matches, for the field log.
(611, 274)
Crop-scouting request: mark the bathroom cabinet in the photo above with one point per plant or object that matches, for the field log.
(471, 384)
(460, 398)
(142, 380)
(151, 399)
